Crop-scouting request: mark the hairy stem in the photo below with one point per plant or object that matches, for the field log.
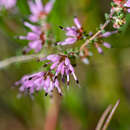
(95, 35)
(16, 59)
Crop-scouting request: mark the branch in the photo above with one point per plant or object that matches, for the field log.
(103, 117)
(95, 35)
(110, 115)
(16, 59)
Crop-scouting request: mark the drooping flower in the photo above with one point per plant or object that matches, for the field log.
(73, 33)
(38, 82)
(62, 66)
(36, 38)
(39, 12)
(98, 46)
(107, 34)
(7, 3)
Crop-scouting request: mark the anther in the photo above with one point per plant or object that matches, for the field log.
(61, 27)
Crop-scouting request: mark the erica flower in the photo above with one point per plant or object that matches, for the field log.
(36, 38)
(7, 3)
(107, 34)
(39, 11)
(99, 48)
(73, 33)
(62, 66)
(38, 82)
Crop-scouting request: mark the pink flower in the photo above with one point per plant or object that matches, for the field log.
(73, 33)
(7, 3)
(36, 38)
(62, 66)
(38, 82)
(38, 10)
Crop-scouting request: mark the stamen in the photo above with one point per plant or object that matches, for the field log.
(30, 78)
(77, 81)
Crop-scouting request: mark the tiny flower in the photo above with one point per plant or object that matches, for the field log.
(107, 45)
(38, 82)
(8, 4)
(73, 33)
(119, 12)
(39, 12)
(118, 22)
(107, 34)
(36, 38)
(62, 66)
(99, 49)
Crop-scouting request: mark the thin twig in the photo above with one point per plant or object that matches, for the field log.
(16, 59)
(110, 116)
(103, 117)
(95, 35)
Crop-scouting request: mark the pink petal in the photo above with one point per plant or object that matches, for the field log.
(77, 23)
(48, 6)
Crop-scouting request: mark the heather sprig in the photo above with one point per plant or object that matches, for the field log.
(60, 66)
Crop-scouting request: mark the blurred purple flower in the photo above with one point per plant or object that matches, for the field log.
(107, 45)
(73, 33)
(99, 49)
(61, 64)
(7, 3)
(107, 34)
(38, 10)
(127, 4)
(38, 82)
(36, 38)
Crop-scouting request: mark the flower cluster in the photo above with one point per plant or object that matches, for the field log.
(119, 9)
(73, 33)
(38, 82)
(36, 38)
(47, 81)
(39, 12)
(59, 66)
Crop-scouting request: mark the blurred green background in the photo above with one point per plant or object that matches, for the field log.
(105, 80)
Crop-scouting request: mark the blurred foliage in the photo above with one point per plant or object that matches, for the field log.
(103, 81)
